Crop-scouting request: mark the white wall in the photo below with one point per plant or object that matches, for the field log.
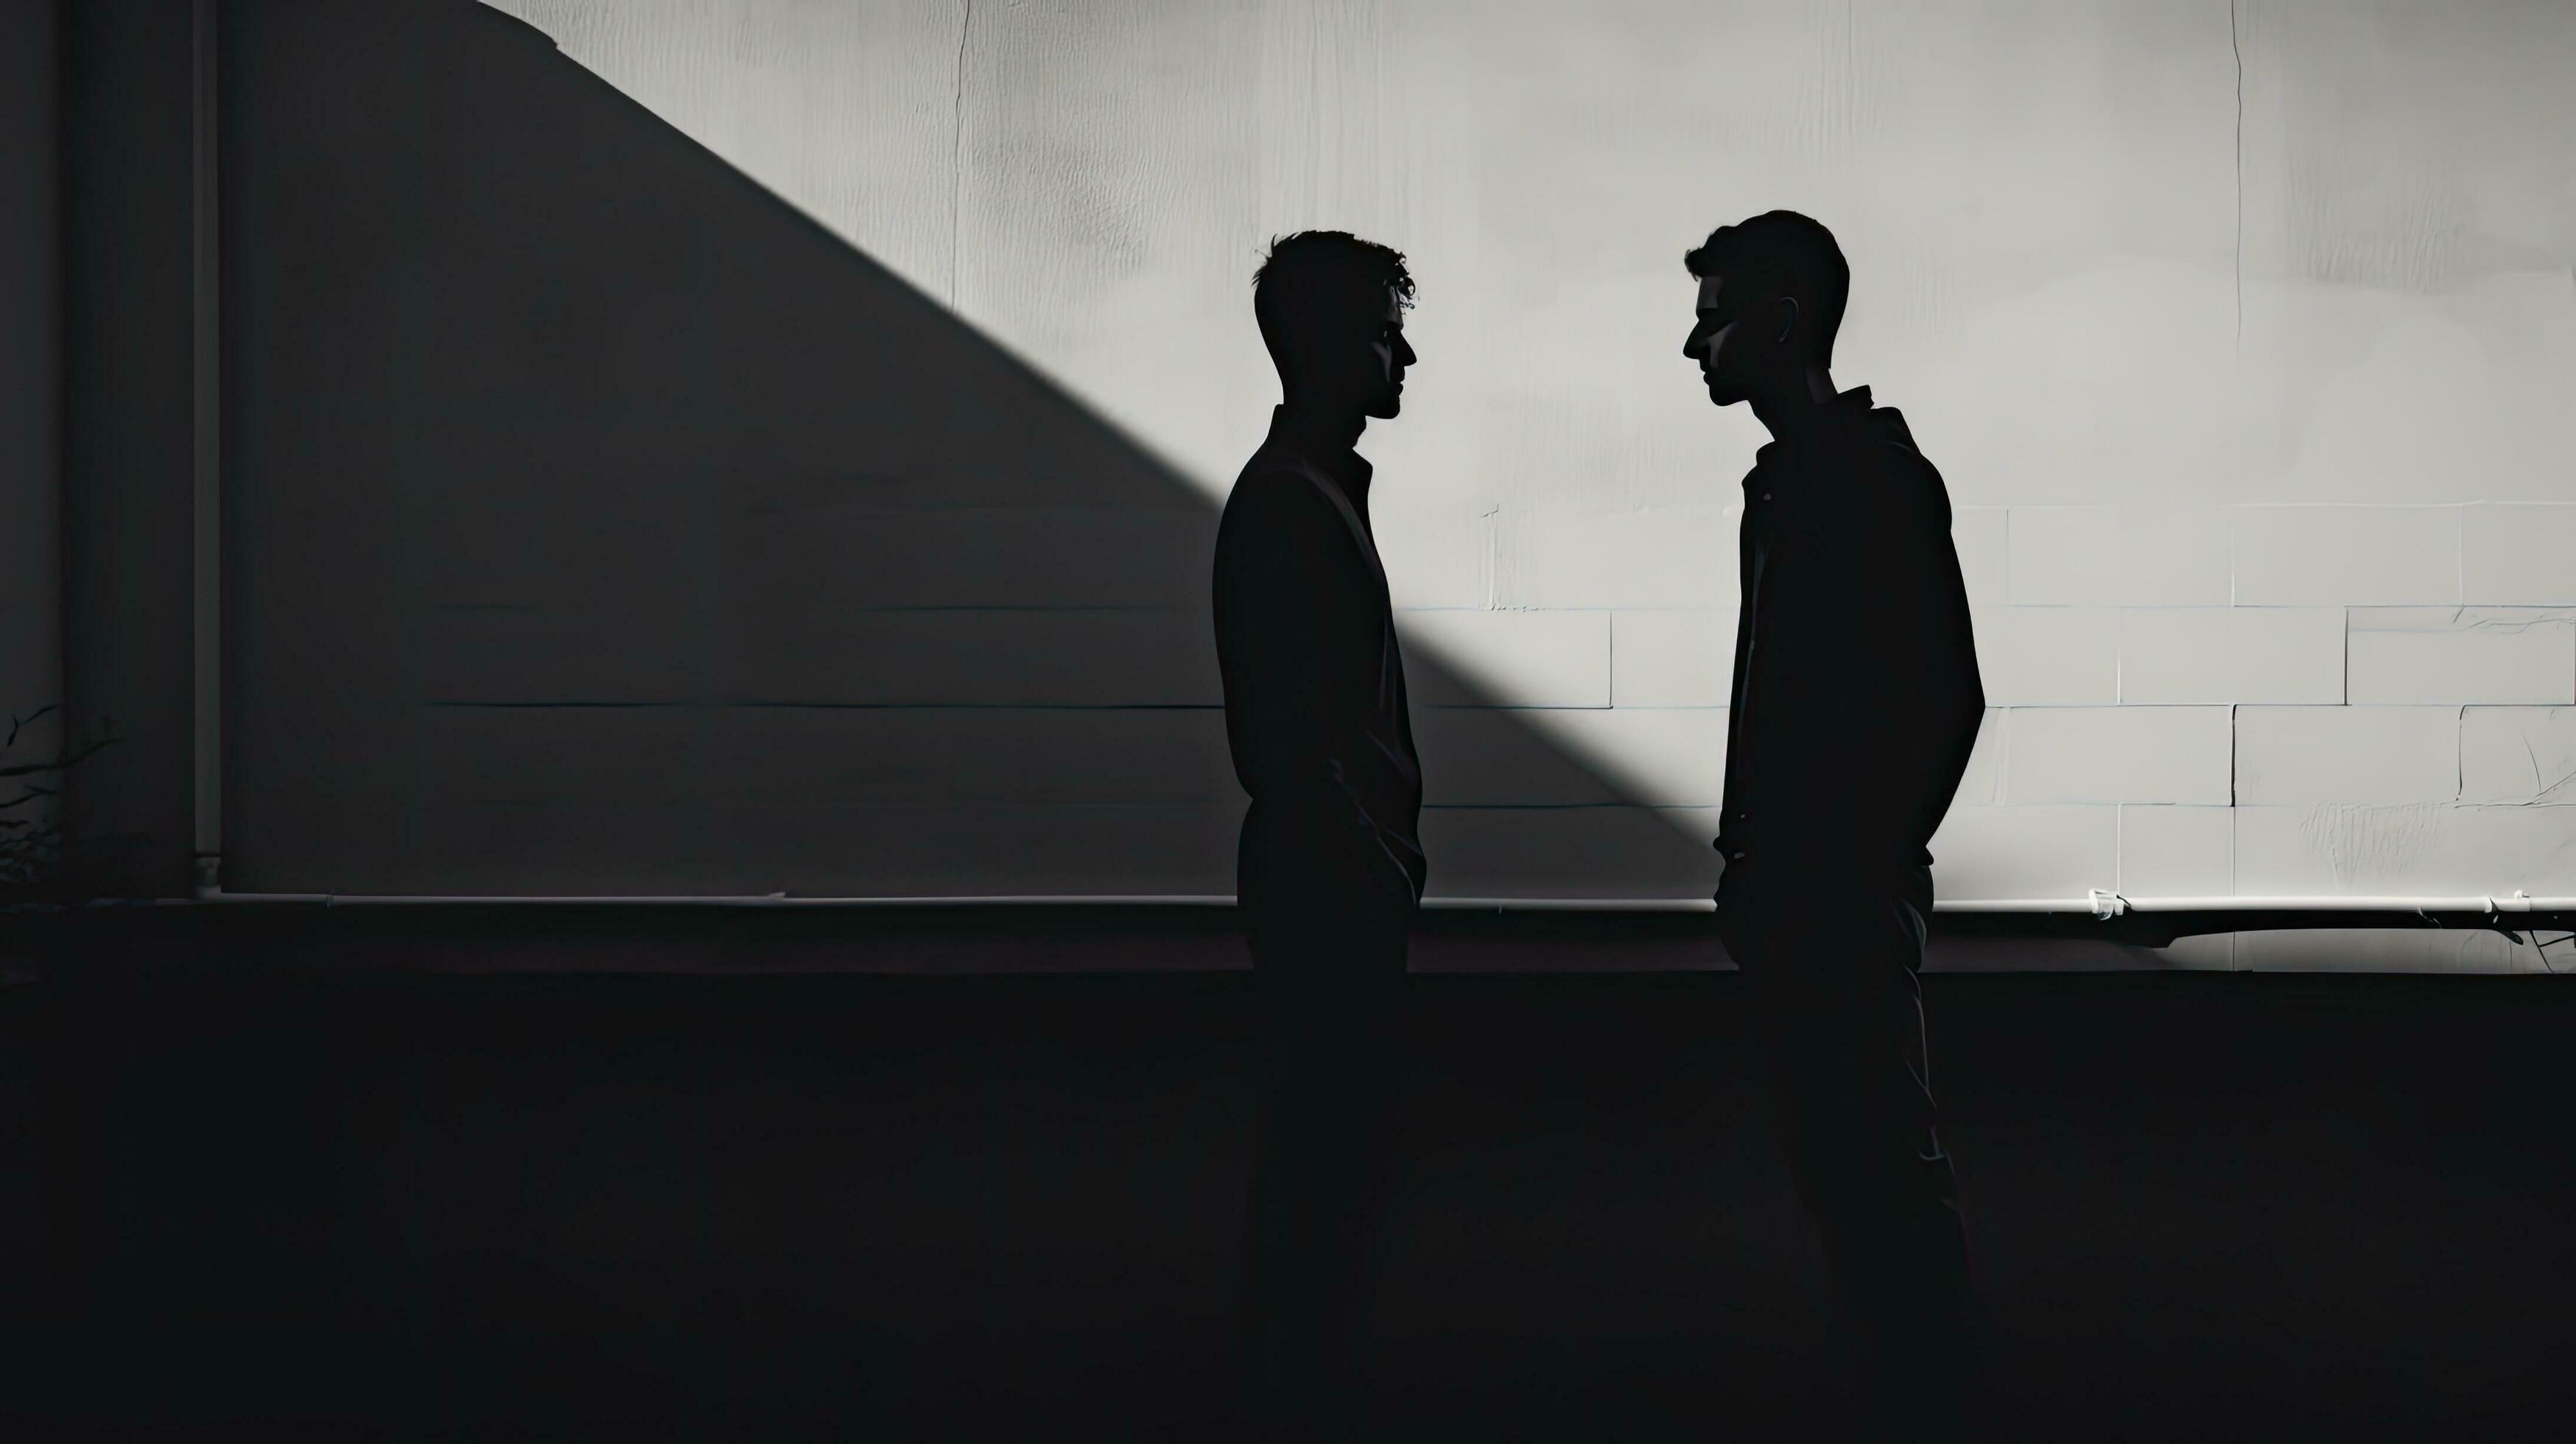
(2239, 334)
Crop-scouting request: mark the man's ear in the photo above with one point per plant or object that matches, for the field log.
(1788, 318)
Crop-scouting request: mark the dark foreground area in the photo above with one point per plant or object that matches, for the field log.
(2206, 1206)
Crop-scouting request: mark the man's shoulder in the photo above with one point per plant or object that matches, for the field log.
(1280, 509)
(1274, 464)
(1904, 478)
(1276, 486)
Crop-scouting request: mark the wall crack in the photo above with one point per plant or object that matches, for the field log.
(957, 146)
(2236, 48)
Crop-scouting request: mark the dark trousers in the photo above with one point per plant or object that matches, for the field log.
(1329, 971)
(1838, 1015)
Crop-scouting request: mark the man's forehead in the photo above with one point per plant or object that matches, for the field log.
(1708, 289)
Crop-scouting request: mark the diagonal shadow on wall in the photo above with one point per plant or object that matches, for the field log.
(598, 523)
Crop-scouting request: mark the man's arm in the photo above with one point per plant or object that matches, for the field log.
(1933, 665)
(1292, 608)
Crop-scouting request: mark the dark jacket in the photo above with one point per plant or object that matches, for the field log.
(1315, 707)
(1856, 696)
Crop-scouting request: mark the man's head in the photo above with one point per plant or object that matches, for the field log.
(1331, 308)
(1771, 297)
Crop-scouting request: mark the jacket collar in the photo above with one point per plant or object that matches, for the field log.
(1329, 455)
(1846, 410)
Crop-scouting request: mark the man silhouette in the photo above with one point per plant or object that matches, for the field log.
(1329, 870)
(1855, 704)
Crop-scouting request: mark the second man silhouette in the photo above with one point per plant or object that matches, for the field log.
(1855, 704)
(1330, 868)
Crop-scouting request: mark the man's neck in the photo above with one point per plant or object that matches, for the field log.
(1794, 415)
(1330, 426)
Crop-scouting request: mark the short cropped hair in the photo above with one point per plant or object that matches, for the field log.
(1320, 285)
(1789, 253)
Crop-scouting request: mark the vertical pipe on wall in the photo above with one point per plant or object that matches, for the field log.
(206, 459)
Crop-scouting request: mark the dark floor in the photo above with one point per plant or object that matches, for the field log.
(2206, 1206)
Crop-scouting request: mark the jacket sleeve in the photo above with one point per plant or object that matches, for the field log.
(1291, 600)
(1932, 664)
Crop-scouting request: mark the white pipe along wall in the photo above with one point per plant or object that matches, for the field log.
(2235, 332)
(2483, 935)
(2098, 903)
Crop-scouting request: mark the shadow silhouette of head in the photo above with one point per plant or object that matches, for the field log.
(1771, 298)
(1331, 309)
